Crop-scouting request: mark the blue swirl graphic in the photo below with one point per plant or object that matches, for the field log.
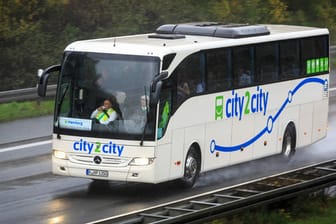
(270, 121)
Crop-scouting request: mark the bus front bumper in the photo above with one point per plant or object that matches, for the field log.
(129, 173)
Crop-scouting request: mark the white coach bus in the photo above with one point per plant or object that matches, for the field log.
(187, 99)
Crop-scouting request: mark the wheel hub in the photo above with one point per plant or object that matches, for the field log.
(191, 167)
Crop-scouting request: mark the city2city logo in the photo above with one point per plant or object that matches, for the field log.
(238, 106)
(109, 148)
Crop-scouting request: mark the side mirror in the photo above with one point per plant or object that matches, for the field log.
(43, 78)
(158, 78)
(156, 87)
(42, 85)
(154, 96)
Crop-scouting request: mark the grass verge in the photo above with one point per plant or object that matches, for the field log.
(18, 110)
(302, 210)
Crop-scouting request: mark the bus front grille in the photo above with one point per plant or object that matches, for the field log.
(105, 160)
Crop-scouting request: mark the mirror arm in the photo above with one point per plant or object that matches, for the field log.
(50, 69)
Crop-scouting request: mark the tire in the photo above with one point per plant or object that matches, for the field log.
(288, 143)
(192, 168)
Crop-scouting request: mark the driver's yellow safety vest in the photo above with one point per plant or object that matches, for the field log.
(104, 116)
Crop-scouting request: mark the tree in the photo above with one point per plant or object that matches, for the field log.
(33, 33)
(19, 22)
(251, 11)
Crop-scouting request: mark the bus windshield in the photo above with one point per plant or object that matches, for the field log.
(105, 95)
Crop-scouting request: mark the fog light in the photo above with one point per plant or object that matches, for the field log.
(62, 168)
(60, 154)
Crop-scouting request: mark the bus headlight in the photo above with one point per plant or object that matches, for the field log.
(60, 154)
(141, 161)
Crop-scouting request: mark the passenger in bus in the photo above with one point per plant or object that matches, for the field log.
(99, 91)
(136, 110)
(244, 77)
(183, 91)
(104, 114)
(290, 68)
(144, 103)
(200, 87)
(101, 80)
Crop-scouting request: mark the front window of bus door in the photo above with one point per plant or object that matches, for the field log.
(165, 108)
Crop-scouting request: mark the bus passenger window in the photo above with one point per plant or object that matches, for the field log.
(314, 54)
(219, 77)
(189, 78)
(289, 59)
(183, 87)
(267, 63)
(243, 66)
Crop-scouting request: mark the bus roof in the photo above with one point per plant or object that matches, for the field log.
(174, 38)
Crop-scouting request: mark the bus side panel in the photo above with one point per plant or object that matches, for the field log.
(220, 130)
(320, 120)
(162, 161)
(304, 130)
(177, 153)
(266, 145)
(242, 131)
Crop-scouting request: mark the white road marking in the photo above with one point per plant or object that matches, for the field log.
(13, 148)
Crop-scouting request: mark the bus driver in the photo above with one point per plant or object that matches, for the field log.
(104, 114)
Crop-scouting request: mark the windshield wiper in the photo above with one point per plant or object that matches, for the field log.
(61, 101)
(147, 118)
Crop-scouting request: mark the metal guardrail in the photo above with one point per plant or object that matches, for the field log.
(25, 94)
(215, 204)
(332, 49)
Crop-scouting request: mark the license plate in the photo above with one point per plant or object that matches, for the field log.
(97, 173)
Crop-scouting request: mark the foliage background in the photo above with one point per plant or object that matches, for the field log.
(33, 33)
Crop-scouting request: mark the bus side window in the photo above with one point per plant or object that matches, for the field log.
(314, 53)
(164, 108)
(289, 59)
(189, 78)
(218, 73)
(267, 62)
(243, 67)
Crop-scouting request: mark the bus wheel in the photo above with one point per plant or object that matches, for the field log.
(288, 143)
(191, 168)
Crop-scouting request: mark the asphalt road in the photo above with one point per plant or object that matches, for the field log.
(29, 193)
